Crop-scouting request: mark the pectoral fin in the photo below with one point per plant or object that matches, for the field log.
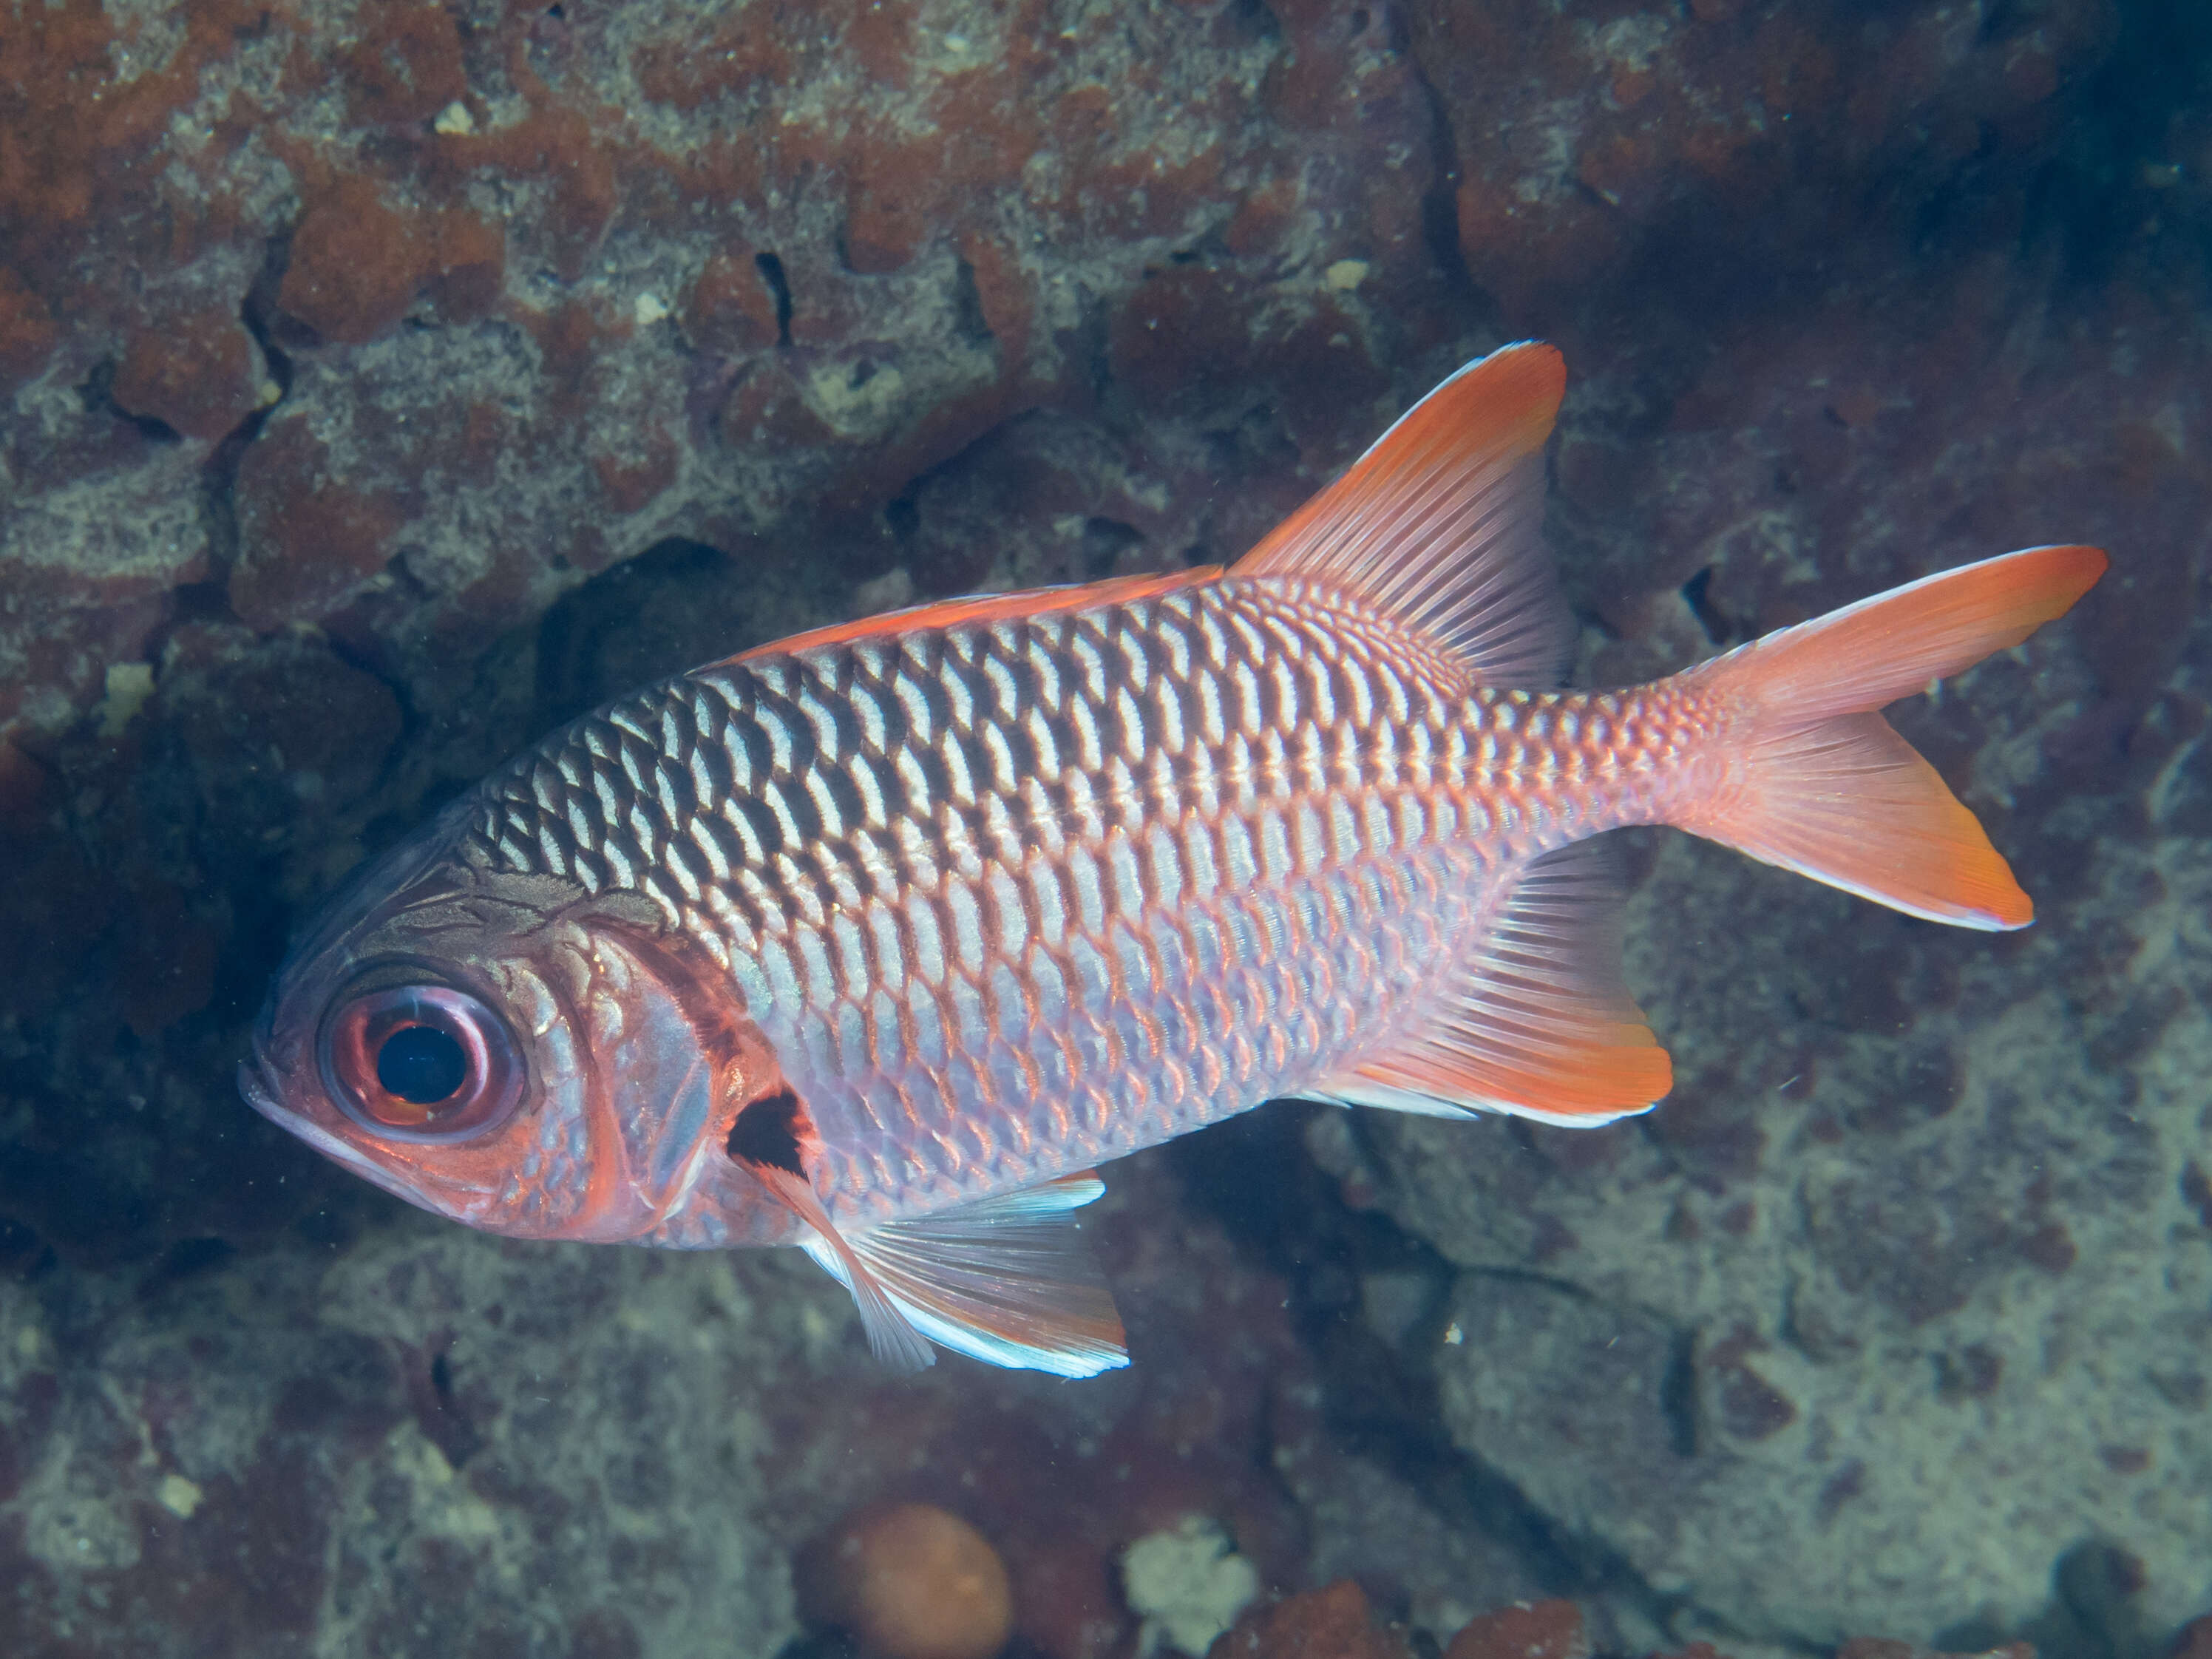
(1006, 1279)
(891, 1338)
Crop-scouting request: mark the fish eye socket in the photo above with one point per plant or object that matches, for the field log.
(420, 1062)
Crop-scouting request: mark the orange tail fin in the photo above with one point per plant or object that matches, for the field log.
(1828, 789)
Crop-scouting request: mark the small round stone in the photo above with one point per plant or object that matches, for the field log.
(909, 1581)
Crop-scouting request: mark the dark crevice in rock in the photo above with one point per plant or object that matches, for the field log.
(1253, 1175)
(219, 477)
(779, 288)
(1258, 19)
(902, 517)
(439, 1410)
(1678, 1395)
(969, 322)
(1697, 593)
(97, 393)
(1090, 356)
(259, 306)
(1440, 202)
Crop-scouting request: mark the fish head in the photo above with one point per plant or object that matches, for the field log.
(509, 1051)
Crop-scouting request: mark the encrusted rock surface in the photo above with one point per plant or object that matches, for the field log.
(409, 1448)
(382, 383)
(1902, 1297)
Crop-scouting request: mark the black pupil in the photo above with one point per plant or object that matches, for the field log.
(421, 1064)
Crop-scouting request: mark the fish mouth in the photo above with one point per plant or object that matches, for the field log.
(257, 1079)
(258, 1082)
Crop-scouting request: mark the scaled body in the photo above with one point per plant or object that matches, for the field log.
(1017, 896)
(875, 941)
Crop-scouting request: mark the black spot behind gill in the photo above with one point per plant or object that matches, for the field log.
(766, 1133)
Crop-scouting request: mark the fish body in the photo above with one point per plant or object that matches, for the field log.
(876, 940)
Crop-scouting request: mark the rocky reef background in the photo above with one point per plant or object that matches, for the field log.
(382, 383)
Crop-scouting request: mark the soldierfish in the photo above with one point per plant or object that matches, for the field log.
(875, 941)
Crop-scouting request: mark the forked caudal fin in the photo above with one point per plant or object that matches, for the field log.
(1826, 788)
(1438, 528)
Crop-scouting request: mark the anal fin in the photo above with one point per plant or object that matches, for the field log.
(1538, 1021)
(1006, 1279)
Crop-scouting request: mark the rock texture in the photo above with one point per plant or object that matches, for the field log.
(381, 384)
(1900, 1299)
(388, 1455)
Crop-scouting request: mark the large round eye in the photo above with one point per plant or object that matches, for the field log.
(420, 1062)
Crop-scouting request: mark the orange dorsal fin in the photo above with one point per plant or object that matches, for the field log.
(1823, 786)
(1438, 526)
(989, 607)
(1537, 1020)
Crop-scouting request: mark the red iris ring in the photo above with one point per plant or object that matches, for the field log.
(353, 1038)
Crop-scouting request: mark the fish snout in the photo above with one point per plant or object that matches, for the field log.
(258, 1084)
